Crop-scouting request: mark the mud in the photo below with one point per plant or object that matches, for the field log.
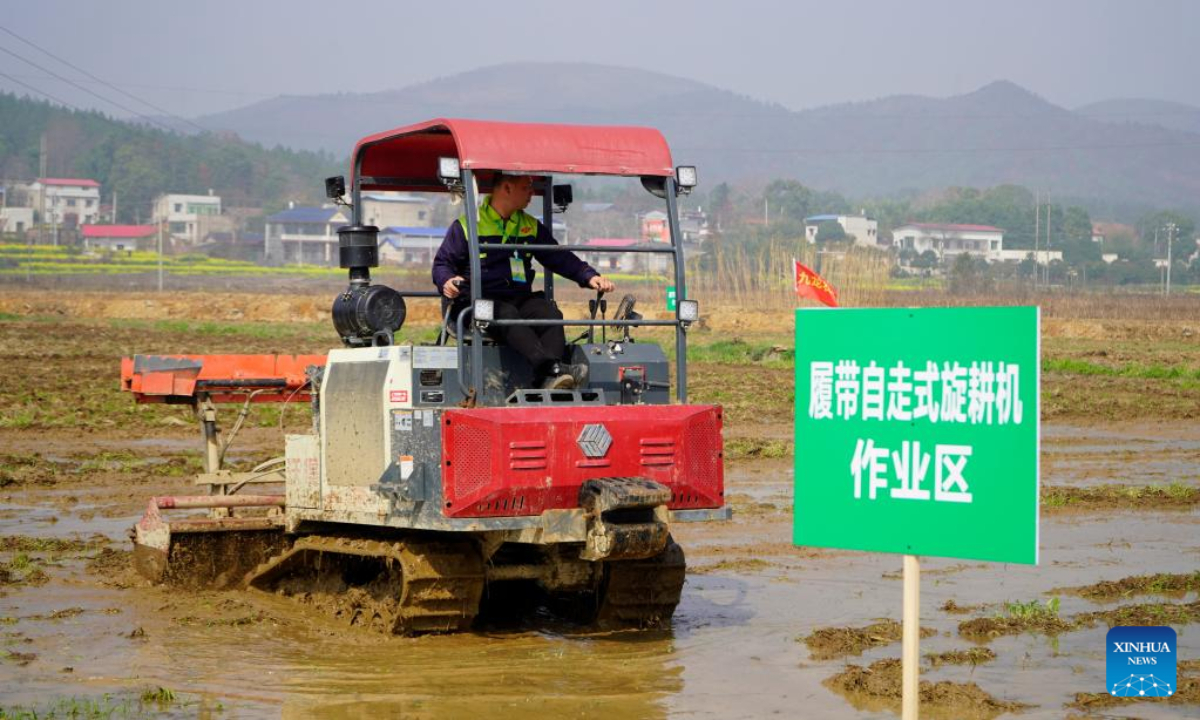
(881, 682)
(1187, 693)
(829, 643)
(77, 459)
(1114, 497)
(1144, 614)
(973, 656)
(990, 627)
(952, 607)
(1173, 584)
(214, 560)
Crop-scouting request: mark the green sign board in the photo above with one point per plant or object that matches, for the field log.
(670, 298)
(917, 431)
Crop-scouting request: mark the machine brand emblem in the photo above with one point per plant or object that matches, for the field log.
(594, 440)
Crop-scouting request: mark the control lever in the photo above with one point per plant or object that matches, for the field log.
(603, 309)
(464, 287)
(625, 311)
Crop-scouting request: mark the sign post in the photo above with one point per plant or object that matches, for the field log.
(917, 433)
(910, 651)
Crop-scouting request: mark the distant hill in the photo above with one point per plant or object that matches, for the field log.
(1000, 133)
(541, 92)
(1169, 115)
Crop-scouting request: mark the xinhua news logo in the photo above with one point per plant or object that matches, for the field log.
(1141, 661)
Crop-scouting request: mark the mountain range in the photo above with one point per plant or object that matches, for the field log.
(1130, 152)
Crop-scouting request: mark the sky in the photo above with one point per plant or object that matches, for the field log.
(195, 58)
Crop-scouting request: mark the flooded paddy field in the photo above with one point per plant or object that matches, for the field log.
(764, 628)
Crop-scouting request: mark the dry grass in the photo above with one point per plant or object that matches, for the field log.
(764, 280)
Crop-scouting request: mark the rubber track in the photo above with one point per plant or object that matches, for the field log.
(441, 581)
(643, 593)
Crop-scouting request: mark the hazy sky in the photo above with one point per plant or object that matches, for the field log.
(200, 57)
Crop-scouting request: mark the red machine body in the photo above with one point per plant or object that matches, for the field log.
(522, 461)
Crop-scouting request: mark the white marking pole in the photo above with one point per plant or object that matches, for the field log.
(910, 656)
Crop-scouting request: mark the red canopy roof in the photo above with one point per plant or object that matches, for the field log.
(117, 231)
(73, 182)
(537, 148)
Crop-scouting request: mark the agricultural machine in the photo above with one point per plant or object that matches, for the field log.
(435, 479)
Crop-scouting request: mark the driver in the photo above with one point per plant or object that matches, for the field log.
(508, 276)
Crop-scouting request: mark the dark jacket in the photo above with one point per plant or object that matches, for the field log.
(523, 231)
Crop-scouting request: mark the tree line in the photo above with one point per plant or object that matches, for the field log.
(139, 163)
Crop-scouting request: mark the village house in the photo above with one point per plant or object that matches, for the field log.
(189, 218)
(414, 246)
(629, 263)
(66, 202)
(949, 240)
(118, 238)
(304, 235)
(863, 229)
(389, 209)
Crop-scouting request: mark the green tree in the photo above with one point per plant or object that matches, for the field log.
(969, 276)
(788, 200)
(1077, 245)
(1185, 233)
(830, 231)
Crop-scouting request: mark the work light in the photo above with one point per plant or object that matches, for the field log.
(685, 176)
(448, 169)
(689, 311)
(485, 310)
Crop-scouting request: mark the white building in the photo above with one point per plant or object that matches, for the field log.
(305, 235)
(864, 230)
(1041, 257)
(639, 263)
(16, 219)
(949, 241)
(410, 245)
(119, 238)
(188, 217)
(67, 202)
(389, 209)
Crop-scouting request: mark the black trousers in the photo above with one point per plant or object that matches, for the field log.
(541, 345)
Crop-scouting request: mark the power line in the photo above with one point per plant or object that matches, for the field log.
(46, 95)
(102, 82)
(931, 151)
(86, 90)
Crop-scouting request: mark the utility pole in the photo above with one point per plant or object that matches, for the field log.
(114, 215)
(1170, 238)
(42, 153)
(160, 258)
(767, 212)
(1037, 235)
(1162, 281)
(1049, 209)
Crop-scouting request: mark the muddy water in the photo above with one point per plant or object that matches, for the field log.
(1137, 455)
(732, 652)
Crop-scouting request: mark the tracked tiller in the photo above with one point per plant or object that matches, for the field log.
(438, 481)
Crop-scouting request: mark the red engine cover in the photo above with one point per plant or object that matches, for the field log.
(523, 460)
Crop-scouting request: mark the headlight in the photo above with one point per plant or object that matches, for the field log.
(689, 311)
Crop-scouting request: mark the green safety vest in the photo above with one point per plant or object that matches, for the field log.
(521, 228)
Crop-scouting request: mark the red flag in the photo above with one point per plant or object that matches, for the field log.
(811, 285)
